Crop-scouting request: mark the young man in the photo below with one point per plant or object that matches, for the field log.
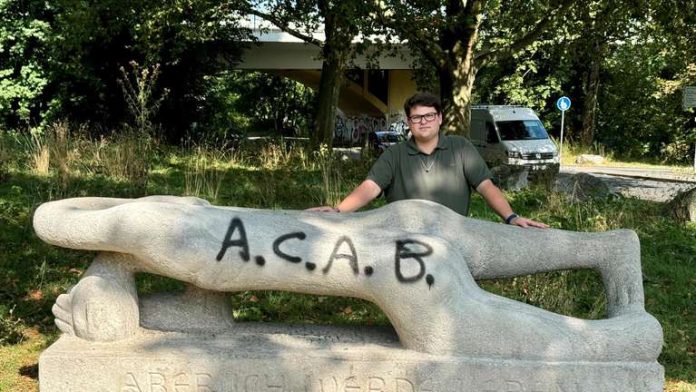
(431, 166)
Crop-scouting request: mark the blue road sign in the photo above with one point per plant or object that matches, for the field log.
(563, 104)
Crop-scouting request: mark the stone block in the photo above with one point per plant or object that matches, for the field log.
(266, 358)
(584, 159)
(512, 178)
(683, 206)
(583, 186)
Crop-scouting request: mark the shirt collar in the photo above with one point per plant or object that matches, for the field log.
(413, 149)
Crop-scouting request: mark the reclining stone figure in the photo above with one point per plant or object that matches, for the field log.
(415, 259)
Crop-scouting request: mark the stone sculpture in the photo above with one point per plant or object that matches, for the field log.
(415, 259)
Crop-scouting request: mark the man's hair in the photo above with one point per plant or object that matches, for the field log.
(422, 99)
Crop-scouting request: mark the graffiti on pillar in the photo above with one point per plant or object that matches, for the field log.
(354, 129)
(398, 124)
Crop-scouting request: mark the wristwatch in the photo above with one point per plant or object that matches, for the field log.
(510, 218)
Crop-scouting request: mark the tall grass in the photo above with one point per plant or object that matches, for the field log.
(329, 166)
(62, 149)
(126, 156)
(52, 150)
(39, 154)
(69, 152)
(572, 150)
(205, 172)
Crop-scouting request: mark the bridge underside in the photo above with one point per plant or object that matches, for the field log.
(375, 92)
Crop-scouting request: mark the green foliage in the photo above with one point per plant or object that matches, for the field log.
(24, 36)
(266, 104)
(63, 60)
(643, 65)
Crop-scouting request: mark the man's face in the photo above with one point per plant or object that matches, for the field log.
(424, 122)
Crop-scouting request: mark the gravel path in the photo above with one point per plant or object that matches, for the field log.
(642, 188)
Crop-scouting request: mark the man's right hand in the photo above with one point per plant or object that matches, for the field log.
(363, 194)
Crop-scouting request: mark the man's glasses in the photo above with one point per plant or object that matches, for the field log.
(418, 119)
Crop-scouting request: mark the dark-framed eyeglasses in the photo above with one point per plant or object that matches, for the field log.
(418, 118)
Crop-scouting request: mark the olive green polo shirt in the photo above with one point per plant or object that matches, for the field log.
(447, 176)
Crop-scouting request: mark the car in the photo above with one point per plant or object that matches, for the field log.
(379, 141)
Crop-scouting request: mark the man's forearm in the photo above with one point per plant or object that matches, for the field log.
(367, 191)
(498, 203)
(495, 198)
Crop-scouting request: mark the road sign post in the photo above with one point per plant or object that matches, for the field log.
(562, 104)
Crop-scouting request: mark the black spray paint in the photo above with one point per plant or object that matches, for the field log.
(276, 246)
(235, 224)
(352, 257)
(403, 252)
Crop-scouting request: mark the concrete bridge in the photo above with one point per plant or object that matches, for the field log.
(372, 96)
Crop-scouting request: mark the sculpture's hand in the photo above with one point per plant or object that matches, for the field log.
(525, 222)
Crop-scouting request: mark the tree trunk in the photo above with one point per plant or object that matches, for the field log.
(590, 94)
(458, 74)
(336, 51)
(327, 99)
(455, 90)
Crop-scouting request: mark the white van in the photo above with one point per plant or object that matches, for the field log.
(512, 135)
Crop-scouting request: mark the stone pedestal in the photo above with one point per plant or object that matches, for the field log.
(270, 358)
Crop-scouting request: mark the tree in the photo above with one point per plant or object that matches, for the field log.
(641, 59)
(189, 39)
(272, 102)
(341, 21)
(194, 41)
(604, 25)
(640, 101)
(447, 35)
(24, 41)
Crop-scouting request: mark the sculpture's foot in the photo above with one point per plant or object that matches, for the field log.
(103, 305)
(193, 310)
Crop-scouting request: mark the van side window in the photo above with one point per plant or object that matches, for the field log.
(492, 135)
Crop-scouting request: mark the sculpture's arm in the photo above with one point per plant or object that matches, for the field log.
(495, 250)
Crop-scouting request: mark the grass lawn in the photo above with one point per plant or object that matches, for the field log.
(268, 176)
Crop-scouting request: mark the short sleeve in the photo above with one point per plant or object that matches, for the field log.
(382, 171)
(475, 169)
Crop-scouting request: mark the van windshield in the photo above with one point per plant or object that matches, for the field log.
(521, 130)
